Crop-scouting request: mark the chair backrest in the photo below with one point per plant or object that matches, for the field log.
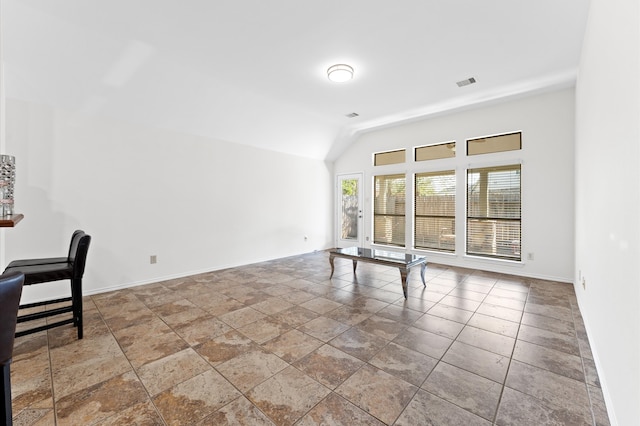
(10, 292)
(75, 238)
(78, 256)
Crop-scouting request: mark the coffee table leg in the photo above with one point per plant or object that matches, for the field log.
(423, 267)
(355, 263)
(331, 263)
(404, 273)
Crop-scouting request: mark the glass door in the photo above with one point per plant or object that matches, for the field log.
(349, 206)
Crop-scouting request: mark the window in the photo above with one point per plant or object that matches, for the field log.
(493, 212)
(435, 152)
(390, 157)
(435, 211)
(500, 143)
(389, 210)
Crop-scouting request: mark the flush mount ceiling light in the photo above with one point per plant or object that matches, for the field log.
(340, 73)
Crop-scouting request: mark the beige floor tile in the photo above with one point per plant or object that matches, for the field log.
(35, 417)
(506, 302)
(179, 312)
(287, 396)
(101, 401)
(329, 366)
(298, 297)
(251, 368)
(479, 361)
(450, 313)
(464, 389)
(148, 342)
(461, 303)
(359, 343)
(335, 410)
(517, 408)
(423, 341)
(377, 393)
(411, 366)
(349, 315)
(487, 340)
(321, 305)
(428, 409)
(272, 305)
(435, 324)
(495, 325)
(239, 412)
(292, 345)
(383, 327)
(323, 328)
(127, 315)
(142, 413)
(548, 387)
(400, 314)
(193, 400)
(166, 372)
(31, 383)
(224, 347)
(202, 329)
(85, 363)
(548, 323)
(500, 312)
(295, 316)
(549, 359)
(549, 339)
(264, 329)
(241, 317)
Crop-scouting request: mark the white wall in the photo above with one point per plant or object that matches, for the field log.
(608, 200)
(546, 122)
(198, 204)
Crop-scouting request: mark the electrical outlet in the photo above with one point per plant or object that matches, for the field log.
(306, 238)
(153, 259)
(530, 256)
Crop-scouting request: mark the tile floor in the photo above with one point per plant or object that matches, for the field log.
(278, 343)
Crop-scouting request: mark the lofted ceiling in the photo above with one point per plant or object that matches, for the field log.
(254, 71)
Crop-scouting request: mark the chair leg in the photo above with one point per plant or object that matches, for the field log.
(76, 300)
(6, 394)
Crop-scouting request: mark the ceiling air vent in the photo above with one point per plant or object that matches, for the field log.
(466, 82)
(352, 115)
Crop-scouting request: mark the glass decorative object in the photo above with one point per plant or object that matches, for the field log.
(7, 183)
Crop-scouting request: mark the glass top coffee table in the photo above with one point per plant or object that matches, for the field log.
(404, 262)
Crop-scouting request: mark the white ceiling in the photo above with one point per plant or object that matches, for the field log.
(254, 71)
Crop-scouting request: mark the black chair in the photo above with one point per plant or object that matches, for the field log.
(10, 292)
(48, 260)
(37, 271)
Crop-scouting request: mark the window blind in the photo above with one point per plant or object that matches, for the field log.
(494, 212)
(389, 210)
(435, 211)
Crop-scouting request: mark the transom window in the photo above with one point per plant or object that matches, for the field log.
(435, 152)
(499, 143)
(389, 157)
